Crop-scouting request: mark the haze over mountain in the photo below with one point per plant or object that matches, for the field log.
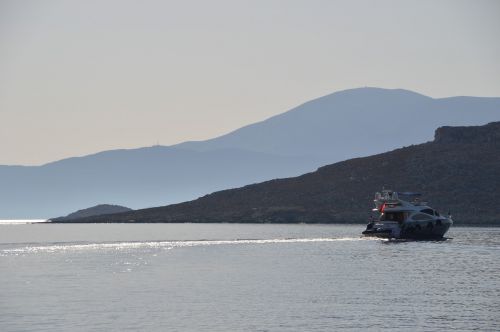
(459, 171)
(339, 126)
(135, 178)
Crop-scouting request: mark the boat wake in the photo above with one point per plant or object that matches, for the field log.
(59, 247)
(22, 222)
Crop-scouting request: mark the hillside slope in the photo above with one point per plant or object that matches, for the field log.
(459, 171)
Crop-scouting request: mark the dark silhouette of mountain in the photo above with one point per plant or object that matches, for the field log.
(459, 170)
(343, 125)
(97, 210)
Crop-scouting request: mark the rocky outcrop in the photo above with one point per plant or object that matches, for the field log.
(98, 210)
(489, 133)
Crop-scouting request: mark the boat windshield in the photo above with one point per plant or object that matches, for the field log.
(393, 216)
(430, 211)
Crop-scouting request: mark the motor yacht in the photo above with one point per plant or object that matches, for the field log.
(409, 218)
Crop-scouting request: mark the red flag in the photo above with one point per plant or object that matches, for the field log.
(382, 208)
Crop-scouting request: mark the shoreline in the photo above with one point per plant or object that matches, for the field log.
(251, 223)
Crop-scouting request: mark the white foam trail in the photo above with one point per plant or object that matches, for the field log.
(162, 244)
(21, 222)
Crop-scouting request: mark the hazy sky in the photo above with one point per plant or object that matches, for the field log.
(77, 77)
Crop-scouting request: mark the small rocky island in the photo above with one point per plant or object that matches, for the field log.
(98, 210)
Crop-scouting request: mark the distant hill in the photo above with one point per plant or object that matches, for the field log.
(356, 123)
(97, 210)
(459, 170)
(134, 178)
(339, 126)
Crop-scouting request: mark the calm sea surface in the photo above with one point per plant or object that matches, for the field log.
(223, 277)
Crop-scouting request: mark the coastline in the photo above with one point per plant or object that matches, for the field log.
(253, 223)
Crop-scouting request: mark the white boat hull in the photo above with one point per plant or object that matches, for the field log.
(435, 229)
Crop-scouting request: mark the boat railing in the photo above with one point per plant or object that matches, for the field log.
(386, 195)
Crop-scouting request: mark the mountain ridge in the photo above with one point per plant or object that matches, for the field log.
(367, 106)
(339, 126)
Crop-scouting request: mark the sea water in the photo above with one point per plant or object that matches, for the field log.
(244, 277)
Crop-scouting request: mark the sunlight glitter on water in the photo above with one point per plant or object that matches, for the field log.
(165, 244)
